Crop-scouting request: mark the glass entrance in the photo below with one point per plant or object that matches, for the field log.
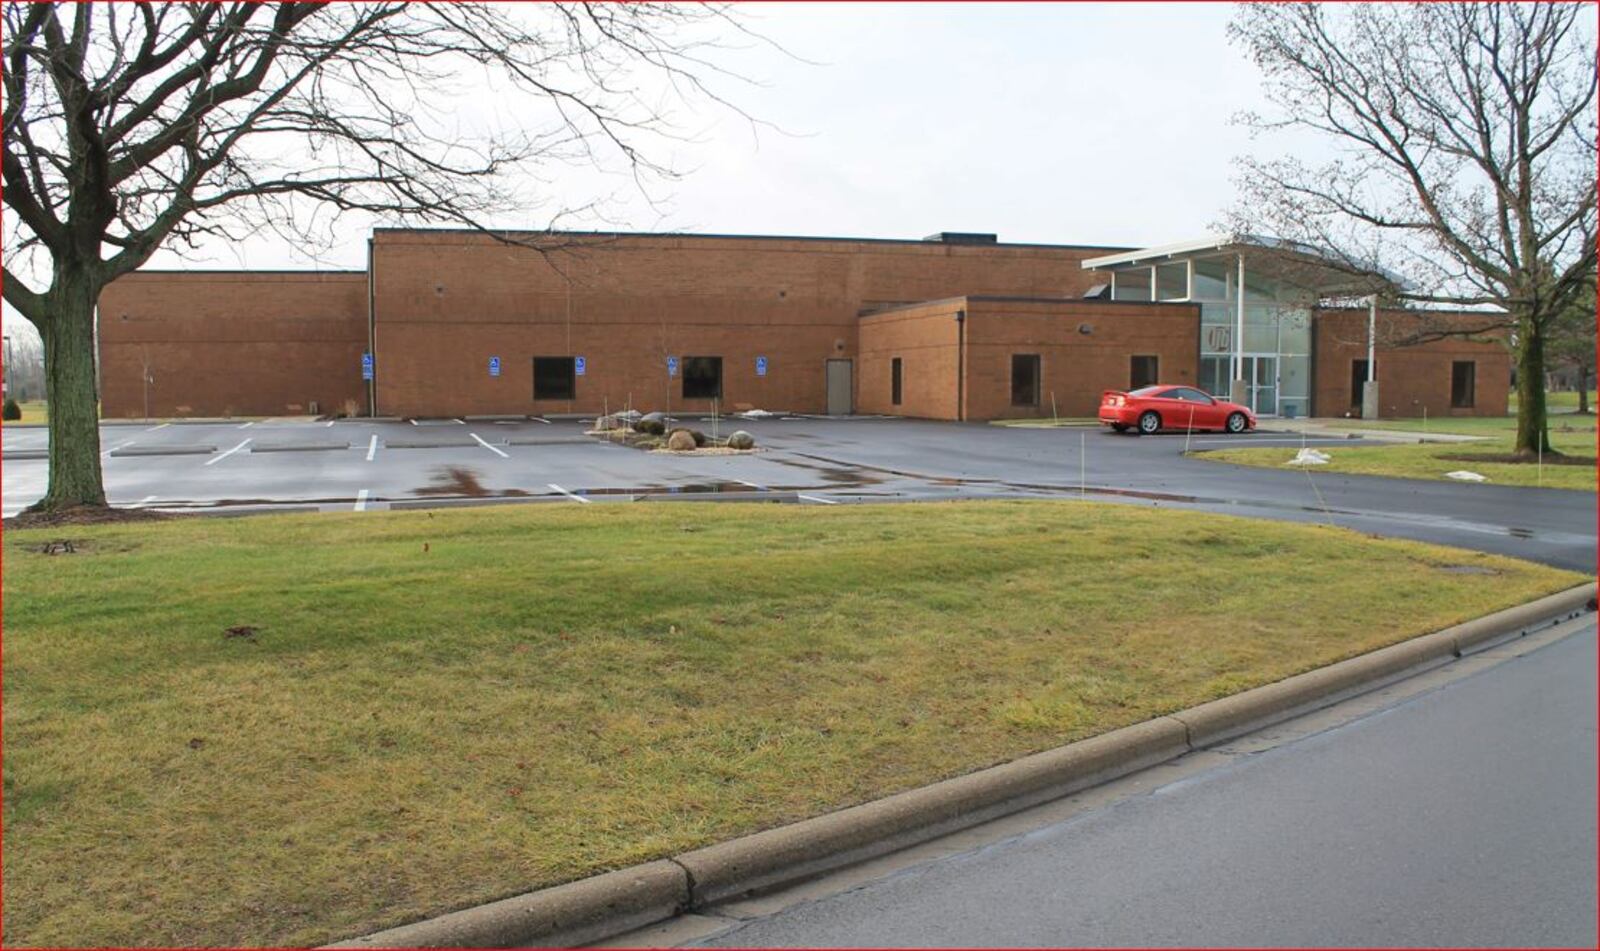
(1260, 374)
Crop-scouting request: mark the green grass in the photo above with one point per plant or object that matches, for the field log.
(441, 709)
(1047, 423)
(1572, 435)
(1565, 401)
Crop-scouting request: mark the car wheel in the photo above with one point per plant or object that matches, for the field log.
(1149, 422)
(1120, 427)
(1236, 423)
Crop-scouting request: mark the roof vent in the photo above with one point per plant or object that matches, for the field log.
(963, 237)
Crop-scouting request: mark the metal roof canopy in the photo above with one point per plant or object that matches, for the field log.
(1291, 262)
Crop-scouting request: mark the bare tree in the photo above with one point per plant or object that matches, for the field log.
(129, 128)
(1572, 342)
(1465, 139)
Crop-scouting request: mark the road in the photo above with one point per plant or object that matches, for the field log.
(1455, 809)
(375, 465)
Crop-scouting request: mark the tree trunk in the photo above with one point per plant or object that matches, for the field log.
(1583, 388)
(1533, 435)
(69, 386)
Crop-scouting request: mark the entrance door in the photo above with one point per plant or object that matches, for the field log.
(1261, 385)
(840, 389)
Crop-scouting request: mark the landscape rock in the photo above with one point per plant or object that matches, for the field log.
(652, 427)
(741, 440)
(681, 440)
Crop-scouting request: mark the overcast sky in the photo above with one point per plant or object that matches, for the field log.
(1077, 123)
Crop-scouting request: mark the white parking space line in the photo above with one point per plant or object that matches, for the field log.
(248, 425)
(328, 423)
(413, 422)
(753, 485)
(459, 422)
(487, 446)
(575, 498)
(817, 498)
(361, 501)
(541, 419)
(216, 459)
(154, 428)
(372, 447)
(121, 445)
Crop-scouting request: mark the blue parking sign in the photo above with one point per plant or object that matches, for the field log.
(761, 366)
(672, 366)
(494, 366)
(366, 365)
(579, 365)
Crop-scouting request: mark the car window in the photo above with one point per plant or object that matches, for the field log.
(1148, 391)
(1192, 396)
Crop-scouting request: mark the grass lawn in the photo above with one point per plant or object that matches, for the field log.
(1570, 434)
(441, 709)
(1559, 402)
(1074, 421)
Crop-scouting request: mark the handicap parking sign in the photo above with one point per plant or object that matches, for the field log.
(672, 366)
(761, 366)
(579, 365)
(494, 366)
(366, 365)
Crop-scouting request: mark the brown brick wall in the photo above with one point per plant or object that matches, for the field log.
(230, 343)
(925, 339)
(1409, 378)
(448, 301)
(1075, 366)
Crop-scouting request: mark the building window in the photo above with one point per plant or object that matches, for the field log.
(894, 381)
(553, 378)
(1463, 384)
(1142, 372)
(1024, 379)
(1172, 281)
(702, 378)
(1131, 284)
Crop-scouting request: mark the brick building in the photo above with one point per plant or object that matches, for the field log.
(956, 326)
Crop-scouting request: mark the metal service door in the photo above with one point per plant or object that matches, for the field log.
(840, 390)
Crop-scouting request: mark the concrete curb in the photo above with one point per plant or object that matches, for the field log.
(607, 905)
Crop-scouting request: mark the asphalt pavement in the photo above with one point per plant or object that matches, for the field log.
(375, 464)
(1457, 809)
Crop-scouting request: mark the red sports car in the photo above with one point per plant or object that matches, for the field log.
(1151, 409)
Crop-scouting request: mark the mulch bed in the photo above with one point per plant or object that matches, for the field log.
(85, 515)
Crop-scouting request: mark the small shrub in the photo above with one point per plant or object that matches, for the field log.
(12, 411)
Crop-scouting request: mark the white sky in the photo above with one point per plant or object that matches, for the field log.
(1074, 123)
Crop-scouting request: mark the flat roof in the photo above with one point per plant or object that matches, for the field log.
(923, 242)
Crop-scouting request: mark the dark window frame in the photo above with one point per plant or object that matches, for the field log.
(1134, 381)
(571, 390)
(896, 381)
(701, 393)
(1036, 383)
(1463, 397)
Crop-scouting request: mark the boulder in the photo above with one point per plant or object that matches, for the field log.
(655, 417)
(681, 440)
(741, 440)
(651, 427)
(699, 438)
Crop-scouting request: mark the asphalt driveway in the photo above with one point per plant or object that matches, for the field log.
(378, 464)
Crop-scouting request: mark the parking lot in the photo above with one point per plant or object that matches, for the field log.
(369, 465)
